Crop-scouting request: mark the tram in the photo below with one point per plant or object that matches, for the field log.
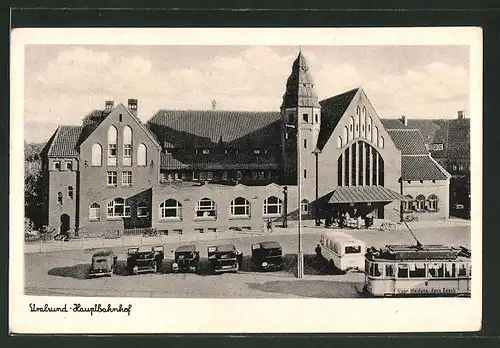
(418, 270)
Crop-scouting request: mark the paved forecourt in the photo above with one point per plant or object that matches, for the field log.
(65, 272)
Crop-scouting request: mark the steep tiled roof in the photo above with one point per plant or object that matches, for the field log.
(408, 141)
(421, 168)
(454, 134)
(428, 128)
(357, 194)
(300, 86)
(205, 128)
(332, 110)
(64, 143)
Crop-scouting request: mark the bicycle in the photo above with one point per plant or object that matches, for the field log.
(387, 226)
(410, 218)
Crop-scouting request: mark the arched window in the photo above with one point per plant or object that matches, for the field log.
(408, 205)
(357, 123)
(345, 135)
(375, 134)
(420, 203)
(206, 208)
(351, 128)
(94, 211)
(381, 142)
(142, 210)
(96, 155)
(339, 142)
(272, 206)
(142, 155)
(240, 207)
(127, 146)
(70, 192)
(369, 128)
(363, 123)
(360, 165)
(171, 209)
(304, 207)
(432, 203)
(59, 198)
(112, 145)
(118, 208)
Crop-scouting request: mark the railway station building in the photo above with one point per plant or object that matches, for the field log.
(196, 171)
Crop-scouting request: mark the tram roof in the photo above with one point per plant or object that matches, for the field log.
(422, 253)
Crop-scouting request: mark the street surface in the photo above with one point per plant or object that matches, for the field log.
(65, 272)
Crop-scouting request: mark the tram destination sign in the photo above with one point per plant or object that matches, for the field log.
(426, 291)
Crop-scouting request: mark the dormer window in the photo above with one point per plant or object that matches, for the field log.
(256, 151)
(206, 151)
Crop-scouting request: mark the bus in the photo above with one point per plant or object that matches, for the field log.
(342, 250)
(418, 270)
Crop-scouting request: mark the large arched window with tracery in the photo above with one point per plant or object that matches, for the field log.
(360, 164)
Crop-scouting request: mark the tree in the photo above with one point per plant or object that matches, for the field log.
(33, 188)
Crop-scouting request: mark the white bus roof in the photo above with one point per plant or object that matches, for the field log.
(342, 237)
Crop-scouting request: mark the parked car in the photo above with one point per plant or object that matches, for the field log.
(268, 256)
(145, 259)
(224, 258)
(103, 263)
(186, 259)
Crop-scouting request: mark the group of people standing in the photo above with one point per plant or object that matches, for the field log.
(344, 219)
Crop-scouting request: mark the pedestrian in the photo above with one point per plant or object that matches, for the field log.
(240, 260)
(358, 222)
(269, 225)
(318, 252)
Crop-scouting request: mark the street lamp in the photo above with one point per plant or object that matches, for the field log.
(300, 254)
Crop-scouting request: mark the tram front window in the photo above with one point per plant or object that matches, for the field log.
(462, 270)
(402, 271)
(436, 270)
(450, 270)
(374, 270)
(417, 270)
(389, 270)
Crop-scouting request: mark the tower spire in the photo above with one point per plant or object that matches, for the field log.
(300, 85)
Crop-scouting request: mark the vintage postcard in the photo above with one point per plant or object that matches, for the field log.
(246, 180)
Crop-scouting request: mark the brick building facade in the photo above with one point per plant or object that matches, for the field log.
(207, 171)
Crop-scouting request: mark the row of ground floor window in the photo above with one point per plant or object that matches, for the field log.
(206, 208)
(421, 203)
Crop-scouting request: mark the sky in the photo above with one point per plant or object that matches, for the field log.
(65, 82)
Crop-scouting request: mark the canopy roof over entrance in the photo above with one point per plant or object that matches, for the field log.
(365, 194)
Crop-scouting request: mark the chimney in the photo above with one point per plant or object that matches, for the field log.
(132, 106)
(460, 114)
(404, 120)
(109, 105)
(214, 104)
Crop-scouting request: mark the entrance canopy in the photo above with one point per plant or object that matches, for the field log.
(365, 194)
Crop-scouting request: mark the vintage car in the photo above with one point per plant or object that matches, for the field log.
(145, 259)
(268, 256)
(186, 259)
(224, 258)
(103, 263)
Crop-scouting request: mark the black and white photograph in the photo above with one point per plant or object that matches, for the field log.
(286, 176)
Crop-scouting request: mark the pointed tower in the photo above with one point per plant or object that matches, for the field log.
(301, 116)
